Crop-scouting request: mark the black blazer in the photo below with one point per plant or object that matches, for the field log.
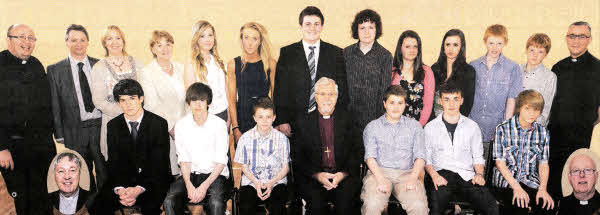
(293, 83)
(348, 150)
(145, 163)
(82, 200)
(65, 105)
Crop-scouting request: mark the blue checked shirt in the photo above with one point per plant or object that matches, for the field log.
(264, 155)
(493, 87)
(522, 150)
(394, 146)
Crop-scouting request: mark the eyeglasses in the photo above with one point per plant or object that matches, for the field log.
(24, 38)
(577, 172)
(577, 36)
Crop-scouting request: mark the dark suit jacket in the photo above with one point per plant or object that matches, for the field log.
(82, 200)
(145, 163)
(348, 149)
(293, 83)
(65, 104)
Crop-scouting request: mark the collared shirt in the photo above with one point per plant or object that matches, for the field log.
(522, 150)
(542, 80)
(204, 145)
(68, 205)
(87, 69)
(138, 120)
(493, 87)
(369, 75)
(264, 155)
(317, 46)
(458, 155)
(215, 79)
(395, 145)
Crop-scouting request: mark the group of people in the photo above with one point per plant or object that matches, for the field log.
(157, 135)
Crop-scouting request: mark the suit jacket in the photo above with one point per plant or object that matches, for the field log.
(293, 83)
(82, 201)
(348, 150)
(144, 163)
(65, 105)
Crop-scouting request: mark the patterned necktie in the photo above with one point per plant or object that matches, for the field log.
(313, 75)
(134, 130)
(86, 93)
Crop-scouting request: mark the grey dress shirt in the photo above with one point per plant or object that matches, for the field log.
(542, 80)
(394, 146)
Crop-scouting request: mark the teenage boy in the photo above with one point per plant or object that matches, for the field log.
(201, 140)
(521, 151)
(455, 157)
(395, 155)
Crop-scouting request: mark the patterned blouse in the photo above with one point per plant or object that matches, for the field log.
(264, 155)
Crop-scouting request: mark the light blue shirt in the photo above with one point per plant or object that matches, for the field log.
(493, 87)
(394, 146)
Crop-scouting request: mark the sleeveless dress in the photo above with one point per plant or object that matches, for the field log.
(251, 84)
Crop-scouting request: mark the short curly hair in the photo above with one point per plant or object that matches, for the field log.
(367, 15)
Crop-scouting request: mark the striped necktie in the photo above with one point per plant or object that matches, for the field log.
(313, 75)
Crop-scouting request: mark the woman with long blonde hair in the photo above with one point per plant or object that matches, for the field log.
(207, 67)
(253, 77)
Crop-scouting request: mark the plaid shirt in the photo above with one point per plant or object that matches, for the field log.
(522, 150)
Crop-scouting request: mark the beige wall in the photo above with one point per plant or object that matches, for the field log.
(431, 19)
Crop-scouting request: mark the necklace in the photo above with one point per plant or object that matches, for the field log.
(119, 66)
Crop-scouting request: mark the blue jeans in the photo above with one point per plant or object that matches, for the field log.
(214, 202)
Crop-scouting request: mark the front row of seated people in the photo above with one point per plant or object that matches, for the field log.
(396, 150)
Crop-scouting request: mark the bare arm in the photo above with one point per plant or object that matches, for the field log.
(273, 68)
(185, 173)
(431, 171)
(501, 165)
(418, 167)
(232, 93)
(510, 108)
(214, 174)
(544, 172)
(374, 167)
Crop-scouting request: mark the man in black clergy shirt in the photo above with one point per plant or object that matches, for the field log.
(26, 145)
(576, 104)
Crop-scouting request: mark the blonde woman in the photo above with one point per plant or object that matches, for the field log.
(164, 93)
(253, 77)
(116, 65)
(207, 67)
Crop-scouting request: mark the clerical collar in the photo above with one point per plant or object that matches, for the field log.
(580, 58)
(583, 202)
(326, 117)
(23, 62)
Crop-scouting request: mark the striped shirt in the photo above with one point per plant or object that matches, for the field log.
(264, 155)
(522, 150)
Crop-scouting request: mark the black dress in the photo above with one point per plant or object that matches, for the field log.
(252, 84)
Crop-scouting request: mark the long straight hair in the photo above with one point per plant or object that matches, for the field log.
(460, 61)
(200, 67)
(418, 71)
(264, 48)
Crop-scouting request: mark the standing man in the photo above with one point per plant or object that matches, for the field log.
(300, 65)
(575, 107)
(76, 119)
(26, 146)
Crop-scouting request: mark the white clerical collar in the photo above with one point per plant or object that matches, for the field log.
(581, 202)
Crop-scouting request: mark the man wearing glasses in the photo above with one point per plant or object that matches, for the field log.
(581, 176)
(575, 107)
(26, 126)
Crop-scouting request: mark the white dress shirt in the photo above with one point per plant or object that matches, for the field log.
(203, 146)
(216, 81)
(87, 69)
(68, 205)
(317, 46)
(458, 156)
(138, 120)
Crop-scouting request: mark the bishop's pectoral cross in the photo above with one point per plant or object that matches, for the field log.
(327, 151)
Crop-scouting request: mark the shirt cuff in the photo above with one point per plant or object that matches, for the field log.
(117, 189)
(142, 188)
(60, 140)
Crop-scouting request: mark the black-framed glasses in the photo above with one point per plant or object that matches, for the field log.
(586, 171)
(24, 38)
(577, 36)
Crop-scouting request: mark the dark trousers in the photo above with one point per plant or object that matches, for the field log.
(214, 201)
(27, 182)
(345, 197)
(85, 140)
(275, 203)
(479, 196)
(505, 195)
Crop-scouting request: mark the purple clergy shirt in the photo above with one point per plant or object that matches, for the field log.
(328, 155)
